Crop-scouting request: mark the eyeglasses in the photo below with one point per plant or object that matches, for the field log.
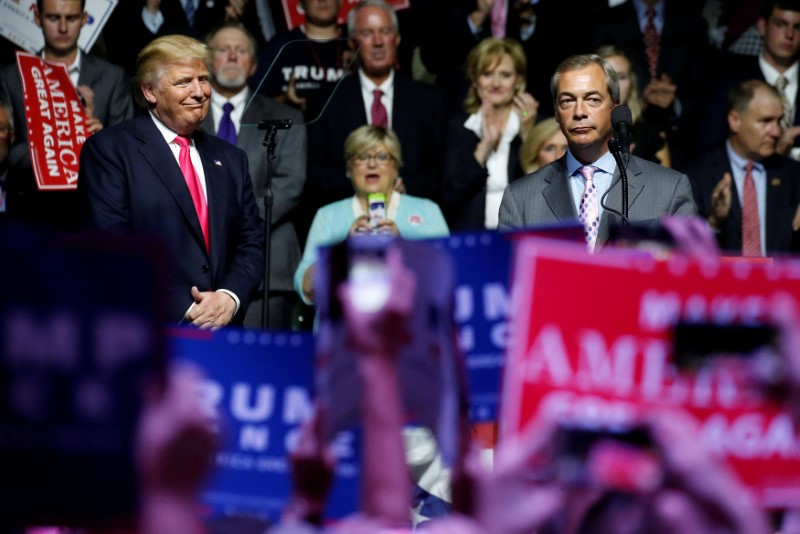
(381, 158)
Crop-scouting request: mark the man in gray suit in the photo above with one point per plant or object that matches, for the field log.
(235, 114)
(584, 184)
(104, 88)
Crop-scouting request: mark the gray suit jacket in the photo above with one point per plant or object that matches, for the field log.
(288, 178)
(544, 197)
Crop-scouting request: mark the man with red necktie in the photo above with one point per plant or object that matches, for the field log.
(747, 191)
(160, 175)
(413, 110)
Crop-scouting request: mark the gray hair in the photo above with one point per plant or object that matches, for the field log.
(381, 4)
(581, 61)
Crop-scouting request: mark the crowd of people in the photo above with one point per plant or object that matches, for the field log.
(473, 114)
(487, 114)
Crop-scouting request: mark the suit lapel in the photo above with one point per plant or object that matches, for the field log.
(216, 193)
(154, 149)
(614, 198)
(776, 193)
(557, 194)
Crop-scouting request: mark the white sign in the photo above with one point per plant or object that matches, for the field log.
(18, 26)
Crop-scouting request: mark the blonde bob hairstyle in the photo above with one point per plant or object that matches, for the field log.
(485, 56)
(366, 138)
(536, 140)
(164, 51)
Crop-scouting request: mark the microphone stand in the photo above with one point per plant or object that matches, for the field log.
(617, 149)
(270, 141)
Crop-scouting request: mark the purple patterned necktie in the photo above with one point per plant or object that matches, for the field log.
(589, 209)
(227, 130)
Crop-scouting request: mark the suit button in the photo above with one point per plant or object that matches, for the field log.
(205, 268)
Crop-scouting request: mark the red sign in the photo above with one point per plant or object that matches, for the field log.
(295, 16)
(591, 340)
(56, 122)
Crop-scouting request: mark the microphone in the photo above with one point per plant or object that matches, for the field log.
(620, 145)
(621, 120)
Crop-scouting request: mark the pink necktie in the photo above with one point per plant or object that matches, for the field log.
(379, 115)
(751, 229)
(193, 182)
(499, 18)
(590, 211)
(652, 42)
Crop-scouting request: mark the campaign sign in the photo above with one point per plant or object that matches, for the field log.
(56, 122)
(260, 385)
(79, 336)
(482, 305)
(482, 261)
(295, 15)
(592, 341)
(18, 25)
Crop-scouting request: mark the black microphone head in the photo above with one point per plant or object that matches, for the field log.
(621, 114)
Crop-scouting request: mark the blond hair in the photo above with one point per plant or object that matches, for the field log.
(486, 55)
(160, 53)
(368, 137)
(634, 101)
(539, 135)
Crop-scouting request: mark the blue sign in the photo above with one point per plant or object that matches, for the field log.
(481, 311)
(261, 385)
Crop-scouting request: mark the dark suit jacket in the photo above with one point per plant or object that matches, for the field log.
(783, 197)
(682, 45)
(464, 192)
(715, 121)
(130, 182)
(288, 177)
(418, 119)
(682, 51)
(544, 197)
(113, 103)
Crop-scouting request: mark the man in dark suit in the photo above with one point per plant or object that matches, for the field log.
(574, 187)
(779, 25)
(234, 50)
(134, 23)
(677, 38)
(721, 179)
(414, 111)
(160, 175)
(104, 88)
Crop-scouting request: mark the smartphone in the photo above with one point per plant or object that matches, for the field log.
(368, 279)
(623, 459)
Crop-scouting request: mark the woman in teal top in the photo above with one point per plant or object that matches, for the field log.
(373, 163)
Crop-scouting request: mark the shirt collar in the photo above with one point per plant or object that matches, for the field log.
(606, 163)
(169, 134)
(474, 123)
(737, 161)
(641, 13)
(771, 73)
(237, 100)
(387, 85)
(74, 67)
